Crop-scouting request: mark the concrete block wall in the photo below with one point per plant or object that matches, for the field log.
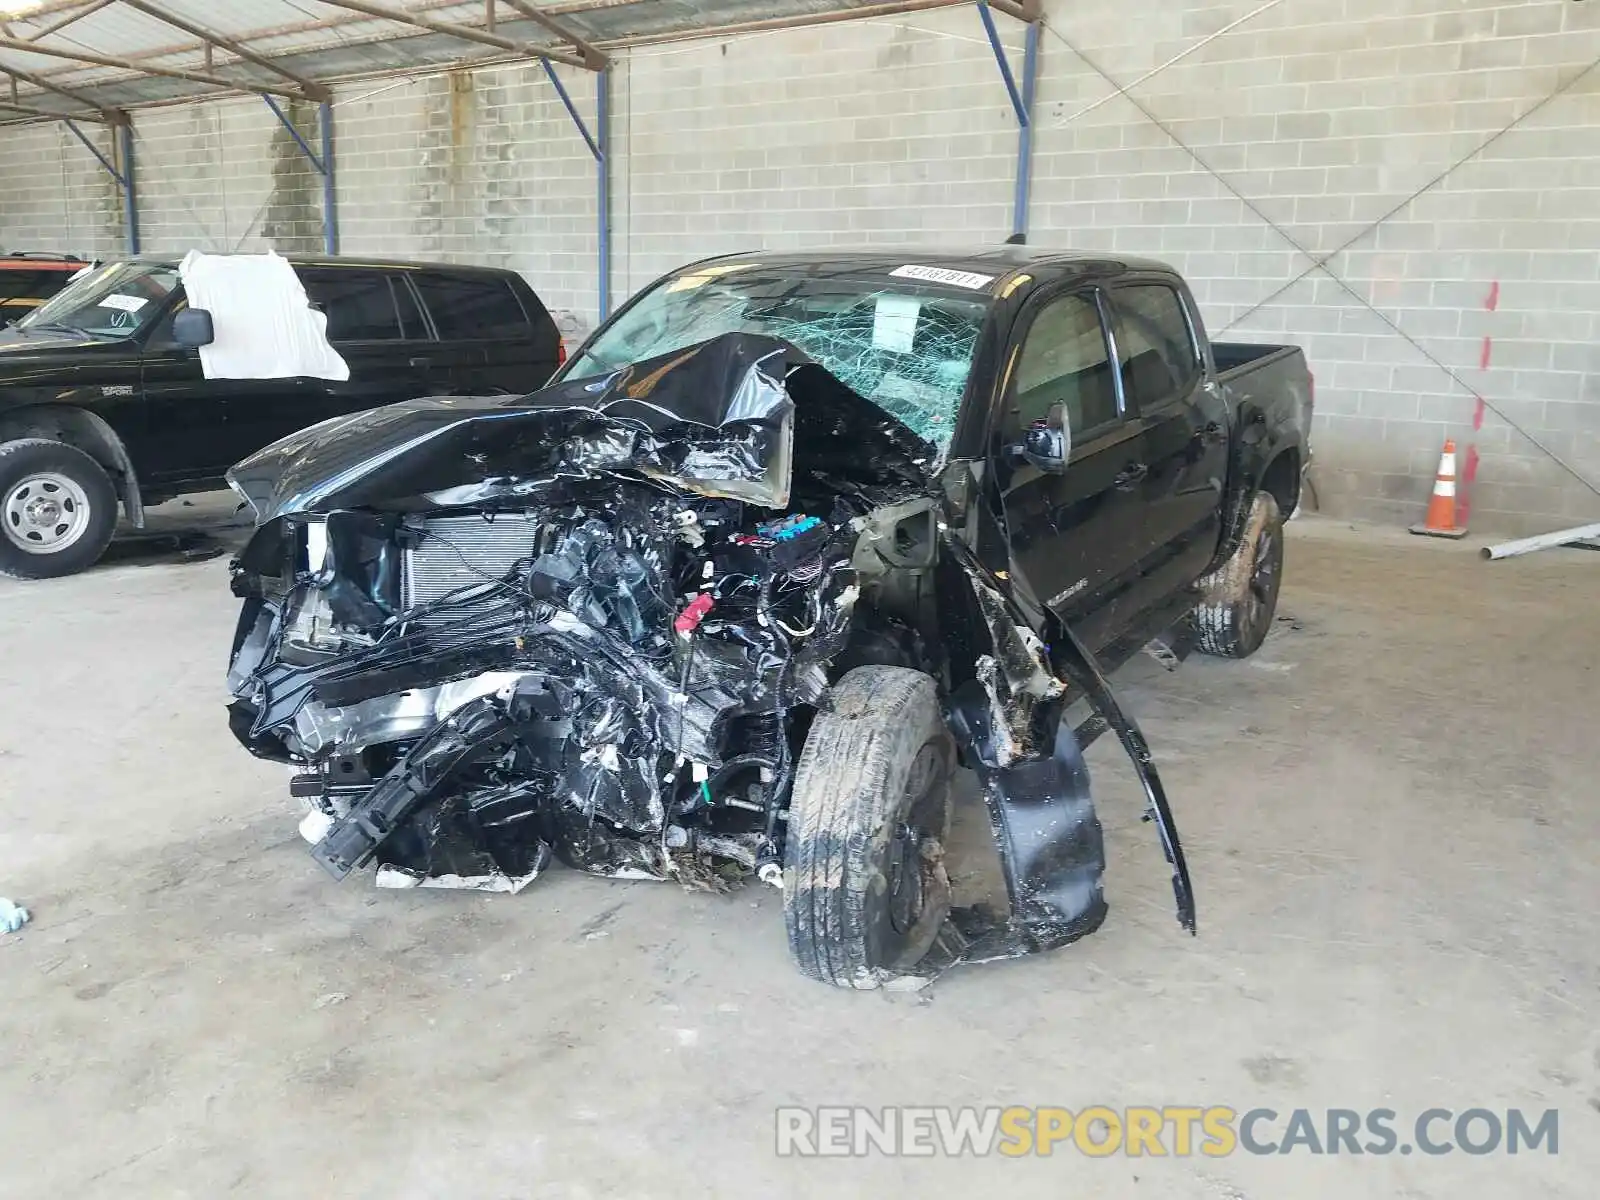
(1334, 173)
(1318, 168)
(892, 131)
(473, 166)
(54, 195)
(206, 177)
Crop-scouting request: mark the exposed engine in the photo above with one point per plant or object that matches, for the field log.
(601, 660)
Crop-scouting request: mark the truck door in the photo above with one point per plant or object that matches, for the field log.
(1074, 536)
(1185, 419)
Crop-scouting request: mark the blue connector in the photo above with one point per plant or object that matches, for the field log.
(789, 528)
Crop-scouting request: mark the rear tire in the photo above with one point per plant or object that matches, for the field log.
(1240, 598)
(58, 509)
(864, 886)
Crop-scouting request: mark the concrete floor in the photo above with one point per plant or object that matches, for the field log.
(1390, 814)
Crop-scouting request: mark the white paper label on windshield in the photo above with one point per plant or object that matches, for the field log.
(966, 279)
(128, 304)
(894, 323)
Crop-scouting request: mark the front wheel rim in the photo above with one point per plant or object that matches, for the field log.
(45, 513)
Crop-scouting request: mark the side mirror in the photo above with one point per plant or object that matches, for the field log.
(192, 328)
(1047, 443)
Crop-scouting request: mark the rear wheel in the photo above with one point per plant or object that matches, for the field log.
(864, 890)
(57, 509)
(1240, 598)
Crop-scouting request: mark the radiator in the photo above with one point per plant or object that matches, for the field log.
(456, 552)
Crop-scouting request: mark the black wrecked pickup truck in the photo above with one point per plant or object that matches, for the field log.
(790, 538)
(103, 396)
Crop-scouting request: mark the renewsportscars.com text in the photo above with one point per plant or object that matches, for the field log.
(1217, 1131)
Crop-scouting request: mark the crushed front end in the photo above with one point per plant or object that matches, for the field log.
(589, 626)
(598, 624)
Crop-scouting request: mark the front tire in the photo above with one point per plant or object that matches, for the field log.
(864, 886)
(1239, 599)
(58, 509)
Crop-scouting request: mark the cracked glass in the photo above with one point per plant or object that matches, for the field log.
(906, 347)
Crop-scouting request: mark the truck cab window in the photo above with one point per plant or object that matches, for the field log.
(1154, 343)
(471, 308)
(1064, 361)
(358, 304)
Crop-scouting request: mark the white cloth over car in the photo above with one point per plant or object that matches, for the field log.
(265, 327)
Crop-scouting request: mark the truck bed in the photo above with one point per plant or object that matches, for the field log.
(1234, 357)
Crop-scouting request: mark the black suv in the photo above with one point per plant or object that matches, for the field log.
(101, 398)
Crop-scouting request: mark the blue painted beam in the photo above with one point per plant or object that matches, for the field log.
(572, 109)
(330, 208)
(305, 146)
(124, 178)
(1030, 80)
(130, 195)
(1018, 105)
(322, 164)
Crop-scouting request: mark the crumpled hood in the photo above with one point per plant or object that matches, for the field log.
(715, 418)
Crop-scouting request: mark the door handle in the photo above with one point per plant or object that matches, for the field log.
(420, 362)
(1130, 477)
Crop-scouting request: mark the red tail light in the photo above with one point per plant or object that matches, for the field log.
(561, 351)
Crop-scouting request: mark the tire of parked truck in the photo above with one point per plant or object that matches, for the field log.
(58, 509)
(1238, 599)
(864, 886)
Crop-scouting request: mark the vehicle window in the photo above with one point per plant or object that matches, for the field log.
(471, 306)
(906, 347)
(116, 300)
(23, 285)
(51, 282)
(1064, 361)
(358, 304)
(412, 326)
(1156, 349)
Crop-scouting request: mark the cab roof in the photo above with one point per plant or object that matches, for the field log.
(997, 262)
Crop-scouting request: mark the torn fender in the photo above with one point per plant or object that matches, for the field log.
(1021, 687)
(1084, 672)
(1052, 851)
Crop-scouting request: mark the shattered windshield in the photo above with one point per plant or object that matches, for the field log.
(116, 300)
(904, 346)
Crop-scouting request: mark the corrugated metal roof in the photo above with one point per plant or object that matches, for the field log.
(325, 42)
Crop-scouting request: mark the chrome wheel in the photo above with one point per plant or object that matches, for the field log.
(45, 513)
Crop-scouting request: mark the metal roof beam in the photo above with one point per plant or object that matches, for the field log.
(311, 88)
(593, 57)
(793, 21)
(467, 33)
(110, 116)
(79, 15)
(128, 64)
(29, 110)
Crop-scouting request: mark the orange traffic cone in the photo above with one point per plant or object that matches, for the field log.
(1441, 519)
